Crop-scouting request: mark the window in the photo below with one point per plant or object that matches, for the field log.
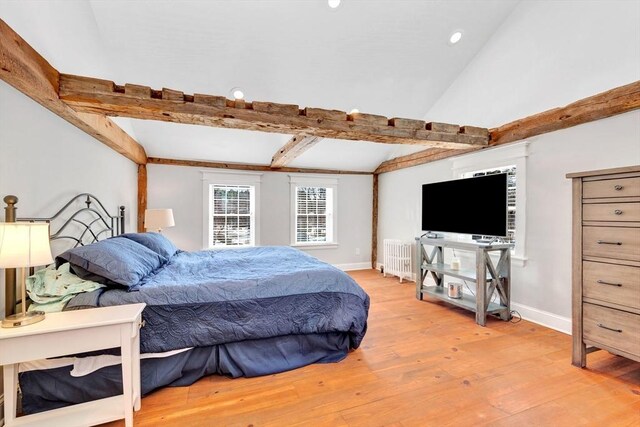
(313, 211)
(314, 221)
(231, 202)
(511, 195)
(233, 221)
(511, 159)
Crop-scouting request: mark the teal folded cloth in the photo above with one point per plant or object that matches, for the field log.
(50, 289)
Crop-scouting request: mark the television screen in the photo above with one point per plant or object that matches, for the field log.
(467, 206)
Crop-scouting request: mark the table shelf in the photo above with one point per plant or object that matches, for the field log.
(441, 268)
(467, 301)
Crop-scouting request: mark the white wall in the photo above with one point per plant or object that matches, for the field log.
(546, 54)
(43, 158)
(45, 161)
(180, 188)
(541, 290)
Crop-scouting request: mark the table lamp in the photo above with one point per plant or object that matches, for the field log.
(157, 219)
(23, 245)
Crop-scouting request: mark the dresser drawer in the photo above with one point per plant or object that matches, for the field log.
(617, 284)
(611, 242)
(622, 187)
(611, 212)
(612, 328)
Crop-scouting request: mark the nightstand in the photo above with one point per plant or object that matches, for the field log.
(73, 332)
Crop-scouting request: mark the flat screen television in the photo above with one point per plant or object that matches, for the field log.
(476, 206)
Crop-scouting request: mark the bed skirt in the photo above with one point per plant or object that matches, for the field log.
(47, 389)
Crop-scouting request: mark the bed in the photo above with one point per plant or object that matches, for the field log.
(234, 312)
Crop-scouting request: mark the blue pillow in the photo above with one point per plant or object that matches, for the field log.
(113, 261)
(154, 241)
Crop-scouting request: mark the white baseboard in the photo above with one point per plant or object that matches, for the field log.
(544, 318)
(354, 266)
(540, 317)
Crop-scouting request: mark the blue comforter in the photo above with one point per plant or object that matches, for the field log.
(221, 296)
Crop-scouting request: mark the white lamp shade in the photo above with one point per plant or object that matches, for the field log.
(24, 244)
(157, 219)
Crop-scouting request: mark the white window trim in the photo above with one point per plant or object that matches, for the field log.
(515, 154)
(296, 180)
(229, 178)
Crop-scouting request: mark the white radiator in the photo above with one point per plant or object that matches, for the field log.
(397, 259)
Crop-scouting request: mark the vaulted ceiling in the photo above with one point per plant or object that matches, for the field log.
(382, 57)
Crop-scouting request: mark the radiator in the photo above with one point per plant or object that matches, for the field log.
(397, 259)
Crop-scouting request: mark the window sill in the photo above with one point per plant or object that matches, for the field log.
(214, 248)
(314, 245)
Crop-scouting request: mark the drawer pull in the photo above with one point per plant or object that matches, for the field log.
(604, 242)
(618, 187)
(608, 328)
(602, 282)
(617, 212)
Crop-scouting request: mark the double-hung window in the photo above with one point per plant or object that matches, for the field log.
(314, 219)
(313, 206)
(231, 209)
(511, 160)
(233, 219)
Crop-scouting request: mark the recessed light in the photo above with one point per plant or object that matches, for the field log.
(237, 93)
(333, 3)
(354, 111)
(455, 37)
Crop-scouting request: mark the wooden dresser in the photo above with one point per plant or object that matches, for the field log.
(606, 262)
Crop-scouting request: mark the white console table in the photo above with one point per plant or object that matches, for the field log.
(73, 332)
(485, 277)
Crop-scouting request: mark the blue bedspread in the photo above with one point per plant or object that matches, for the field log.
(47, 389)
(220, 296)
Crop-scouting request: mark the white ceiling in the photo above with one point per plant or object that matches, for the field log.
(190, 142)
(383, 57)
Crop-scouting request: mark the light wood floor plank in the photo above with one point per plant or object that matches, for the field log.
(422, 363)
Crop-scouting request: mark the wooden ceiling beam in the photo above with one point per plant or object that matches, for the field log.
(142, 196)
(606, 104)
(420, 158)
(249, 167)
(105, 97)
(297, 145)
(374, 224)
(27, 71)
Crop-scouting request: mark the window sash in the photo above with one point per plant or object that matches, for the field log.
(313, 215)
(232, 215)
(508, 155)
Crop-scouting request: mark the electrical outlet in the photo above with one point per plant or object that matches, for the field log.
(357, 251)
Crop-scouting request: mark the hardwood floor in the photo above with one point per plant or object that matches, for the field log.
(422, 363)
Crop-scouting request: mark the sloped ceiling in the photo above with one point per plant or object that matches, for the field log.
(383, 57)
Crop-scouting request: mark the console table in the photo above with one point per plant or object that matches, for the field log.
(488, 279)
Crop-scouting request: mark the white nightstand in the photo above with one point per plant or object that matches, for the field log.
(74, 332)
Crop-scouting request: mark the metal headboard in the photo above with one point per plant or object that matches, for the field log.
(82, 226)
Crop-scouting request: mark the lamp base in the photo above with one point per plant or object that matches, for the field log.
(17, 320)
